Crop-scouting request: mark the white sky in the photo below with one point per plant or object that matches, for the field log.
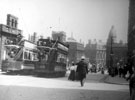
(87, 19)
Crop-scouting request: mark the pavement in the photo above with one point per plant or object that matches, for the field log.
(106, 78)
(116, 80)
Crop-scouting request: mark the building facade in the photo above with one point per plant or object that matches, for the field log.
(115, 52)
(96, 52)
(59, 35)
(90, 51)
(131, 27)
(101, 54)
(76, 50)
(9, 34)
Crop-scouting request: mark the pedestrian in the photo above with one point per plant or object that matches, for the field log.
(120, 71)
(72, 74)
(102, 70)
(132, 85)
(132, 78)
(124, 71)
(129, 67)
(82, 70)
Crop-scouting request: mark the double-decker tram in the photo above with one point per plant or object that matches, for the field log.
(20, 57)
(52, 58)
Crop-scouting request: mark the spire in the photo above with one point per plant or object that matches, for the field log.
(112, 34)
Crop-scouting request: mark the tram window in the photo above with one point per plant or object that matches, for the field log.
(26, 55)
(39, 43)
(35, 56)
(44, 43)
(61, 58)
(58, 58)
(30, 56)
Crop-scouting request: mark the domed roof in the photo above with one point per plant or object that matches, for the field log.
(71, 39)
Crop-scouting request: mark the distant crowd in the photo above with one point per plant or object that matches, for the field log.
(78, 71)
(126, 71)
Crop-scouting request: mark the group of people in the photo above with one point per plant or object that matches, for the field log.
(127, 71)
(122, 70)
(79, 71)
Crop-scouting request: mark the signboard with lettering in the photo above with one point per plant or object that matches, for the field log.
(7, 29)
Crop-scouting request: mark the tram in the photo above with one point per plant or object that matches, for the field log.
(52, 57)
(22, 56)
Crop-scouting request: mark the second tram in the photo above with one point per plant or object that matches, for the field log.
(52, 57)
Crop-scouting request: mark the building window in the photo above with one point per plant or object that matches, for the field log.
(15, 23)
(12, 22)
(61, 58)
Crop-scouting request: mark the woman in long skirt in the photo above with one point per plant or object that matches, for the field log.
(72, 72)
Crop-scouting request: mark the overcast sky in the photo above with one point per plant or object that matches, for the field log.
(86, 19)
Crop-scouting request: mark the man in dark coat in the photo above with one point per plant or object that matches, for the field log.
(132, 86)
(132, 78)
(82, 70)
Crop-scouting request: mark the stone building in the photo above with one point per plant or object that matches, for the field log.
(115, 51)
(90, 51)
(101, 54)
(120, 52)
(96, 52)
(76, 50)
(9, 34)
(60, 35)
